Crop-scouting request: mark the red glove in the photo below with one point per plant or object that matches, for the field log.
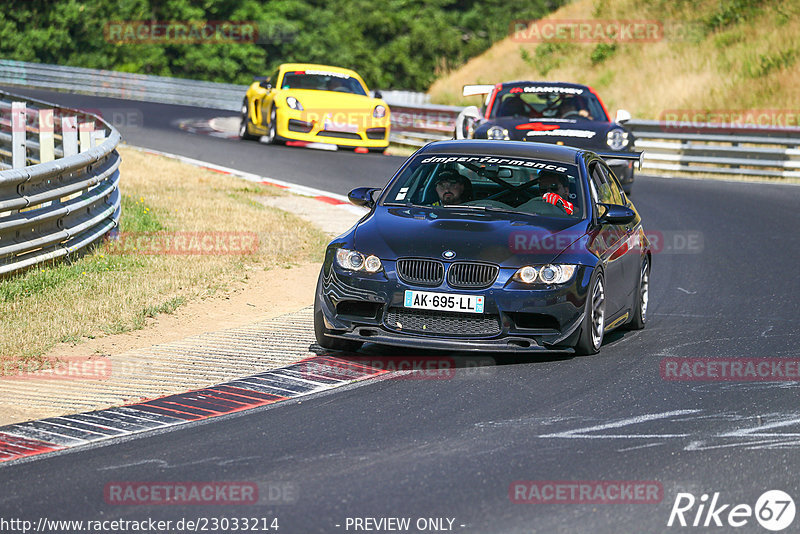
(556, 200)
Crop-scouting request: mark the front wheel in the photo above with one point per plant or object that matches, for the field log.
(594, 319)
(272, 129)
(244, 135)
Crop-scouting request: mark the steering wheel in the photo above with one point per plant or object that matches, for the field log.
(505, 192)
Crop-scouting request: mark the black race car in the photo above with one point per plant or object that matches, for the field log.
(549, 112)
(488, 245)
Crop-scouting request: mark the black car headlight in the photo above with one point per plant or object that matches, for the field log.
(545, 274)
(352, 260)
(496, 132)
(617, 139)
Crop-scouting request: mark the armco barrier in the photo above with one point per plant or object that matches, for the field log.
(716, 149)
(711, 148)
(60, 193)
(146, 87)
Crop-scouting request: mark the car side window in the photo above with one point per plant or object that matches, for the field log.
(273, 78)
(611, 182)
(600, 183)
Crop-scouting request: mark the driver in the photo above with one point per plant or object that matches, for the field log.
(555, 188)
(336, 84)
(452, 188)
(573, 106)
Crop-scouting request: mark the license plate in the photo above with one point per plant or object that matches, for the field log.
(426, 300)
(340, 127)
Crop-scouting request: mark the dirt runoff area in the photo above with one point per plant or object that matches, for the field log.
(263, 295)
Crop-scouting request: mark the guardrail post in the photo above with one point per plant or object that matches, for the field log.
(69, 135)
(47, 149)
(98, 136)
(18, 122)
(85, 130)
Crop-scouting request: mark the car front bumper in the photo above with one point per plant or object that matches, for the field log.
(348, 130)
(369, 308)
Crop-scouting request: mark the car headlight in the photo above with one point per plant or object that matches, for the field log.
(546, 274)
(496, 132)
(352, 260)
(617, 139)
(379, 112)
(293, 103)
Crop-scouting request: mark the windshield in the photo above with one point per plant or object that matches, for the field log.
(518, 185)
(548, 102)
(318, 80)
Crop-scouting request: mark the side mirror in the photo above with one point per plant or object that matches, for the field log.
(615, 214)
(465, 122)
(362, 196)
(376, 94)
(265, 84)
(622, 116)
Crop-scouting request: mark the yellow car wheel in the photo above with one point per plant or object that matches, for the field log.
(270, 138)
(243, 133)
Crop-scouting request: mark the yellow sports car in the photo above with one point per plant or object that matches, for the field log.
(315, 103)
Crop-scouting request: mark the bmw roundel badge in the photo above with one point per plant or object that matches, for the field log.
(448, 254)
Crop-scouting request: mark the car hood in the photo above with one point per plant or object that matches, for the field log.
(506, 239)
(571, 132)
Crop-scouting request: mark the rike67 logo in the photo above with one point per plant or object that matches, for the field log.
(774, 510)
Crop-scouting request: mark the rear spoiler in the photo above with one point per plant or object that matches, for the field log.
(470, 90)
(635, 156)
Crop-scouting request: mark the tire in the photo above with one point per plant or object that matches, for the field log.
(244, 135)
(591, 337)
(271, 137)
(332, 343)
(639, 319)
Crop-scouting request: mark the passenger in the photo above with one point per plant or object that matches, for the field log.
(555, 190)
(452, 188)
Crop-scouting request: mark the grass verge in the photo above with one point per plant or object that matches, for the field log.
(115, 289)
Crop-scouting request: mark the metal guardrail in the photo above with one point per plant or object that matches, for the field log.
(711, 149)
(689, 148)
(719, 149)
(54, 200)
(123, 85)
(147, 87)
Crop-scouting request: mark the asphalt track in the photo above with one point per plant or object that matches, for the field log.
(726, 287)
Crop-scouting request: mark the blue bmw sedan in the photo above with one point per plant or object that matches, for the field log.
(479, 245)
